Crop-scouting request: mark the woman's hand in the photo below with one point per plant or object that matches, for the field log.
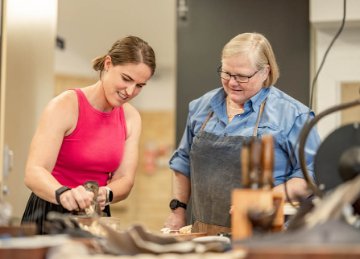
(176, 220)
(101, 199)
(76, 199)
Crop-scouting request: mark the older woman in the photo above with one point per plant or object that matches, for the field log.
(207, 161)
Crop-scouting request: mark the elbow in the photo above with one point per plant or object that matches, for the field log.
(129, 188)
(28, 183)
(126, 190)
(28, 180)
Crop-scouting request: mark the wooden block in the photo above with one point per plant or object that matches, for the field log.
(279, 202)
(244, 200)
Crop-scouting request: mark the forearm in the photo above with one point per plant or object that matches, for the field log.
(121, 188)
(181, 192)
(181, 187)
(42, 183)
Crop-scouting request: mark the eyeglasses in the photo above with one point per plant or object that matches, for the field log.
(238, 78)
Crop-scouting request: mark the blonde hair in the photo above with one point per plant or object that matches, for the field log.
(259, 51)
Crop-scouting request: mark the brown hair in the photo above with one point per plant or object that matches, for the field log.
(130, 49)
(258, 49)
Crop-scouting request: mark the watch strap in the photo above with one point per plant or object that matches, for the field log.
(175, 203)
(109, 195)
(60, 191)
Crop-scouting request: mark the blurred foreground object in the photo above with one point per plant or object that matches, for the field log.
(255, 207)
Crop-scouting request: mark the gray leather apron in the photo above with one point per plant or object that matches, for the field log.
(215, 171)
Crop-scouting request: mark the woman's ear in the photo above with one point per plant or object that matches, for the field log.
(107, 62)
(266, 71)
(265, 75)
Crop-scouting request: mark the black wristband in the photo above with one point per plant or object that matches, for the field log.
(109, 195)
(60, 191)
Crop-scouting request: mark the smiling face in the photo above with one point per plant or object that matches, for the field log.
(123, 82)
(239, 93)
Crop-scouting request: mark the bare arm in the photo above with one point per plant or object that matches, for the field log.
(124, 177)
(181, 191)
(56, 121)
(181, 187)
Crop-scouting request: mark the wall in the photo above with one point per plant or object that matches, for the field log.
(148, 203)
(102, 23)
(30, 29)
(330, 11)
(343, 62)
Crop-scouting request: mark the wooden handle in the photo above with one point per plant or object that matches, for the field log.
(267, 161)
(255, 164)
(245, 160)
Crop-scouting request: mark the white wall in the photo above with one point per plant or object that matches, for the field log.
(330, 11)
(30, 28)
(343, 61)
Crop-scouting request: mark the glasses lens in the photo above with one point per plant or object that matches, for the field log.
(238, 78)
(242, 79)
(224, 75)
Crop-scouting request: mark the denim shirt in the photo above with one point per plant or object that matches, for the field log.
(283, 118)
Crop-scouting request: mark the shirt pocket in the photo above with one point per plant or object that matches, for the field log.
(268, 128)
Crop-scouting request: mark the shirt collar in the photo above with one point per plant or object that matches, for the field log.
(219, 98)
(218, 101)
(257, 99)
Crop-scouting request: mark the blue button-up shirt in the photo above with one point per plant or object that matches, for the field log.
(283, 118)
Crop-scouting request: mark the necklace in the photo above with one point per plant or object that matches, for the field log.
(232, 111)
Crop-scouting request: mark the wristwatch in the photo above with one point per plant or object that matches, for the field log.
(60, 191)
(174, 204)
(109, 195)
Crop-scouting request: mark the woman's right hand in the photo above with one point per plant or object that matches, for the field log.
(76, 199)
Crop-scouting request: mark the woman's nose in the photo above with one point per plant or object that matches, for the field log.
(130, 89)
(232, 81)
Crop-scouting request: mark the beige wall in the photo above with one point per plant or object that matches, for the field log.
(148, 202)
(349, 92)
(30, 29)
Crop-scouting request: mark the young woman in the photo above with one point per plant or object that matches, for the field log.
(90, 134)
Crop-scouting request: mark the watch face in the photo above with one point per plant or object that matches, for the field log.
(173, 204)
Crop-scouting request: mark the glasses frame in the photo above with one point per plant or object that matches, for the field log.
(244, 79)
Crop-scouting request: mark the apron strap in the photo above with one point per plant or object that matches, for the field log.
(259, 117)
(206, 120)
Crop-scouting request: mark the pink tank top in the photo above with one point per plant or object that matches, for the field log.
(94, 149)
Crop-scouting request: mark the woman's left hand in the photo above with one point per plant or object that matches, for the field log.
(101, 198)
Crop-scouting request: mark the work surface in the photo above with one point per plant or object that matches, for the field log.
(76, 250)
(333, 239)
(63, 246)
